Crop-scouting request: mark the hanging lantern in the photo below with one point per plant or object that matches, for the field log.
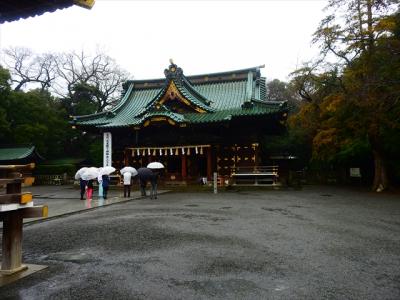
(170, 151)
(154, 152)
(188, 151)
(160, 152)
(196, 150)
(137, 152)
(183, 150)
(201, 150)
(176, 151)
(166, 152)
(144, 152)
(148, 151)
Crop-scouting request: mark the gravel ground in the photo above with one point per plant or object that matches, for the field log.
(318, 243)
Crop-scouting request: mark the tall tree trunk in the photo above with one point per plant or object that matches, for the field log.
(380, 174)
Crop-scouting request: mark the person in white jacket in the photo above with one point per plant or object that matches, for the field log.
(127, 184)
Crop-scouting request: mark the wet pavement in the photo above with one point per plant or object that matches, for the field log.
(317, 243)
(65, 199)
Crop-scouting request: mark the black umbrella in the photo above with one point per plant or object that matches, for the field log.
(145, 174)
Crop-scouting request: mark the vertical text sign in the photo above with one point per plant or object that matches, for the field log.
(107, 152)
(215, 182)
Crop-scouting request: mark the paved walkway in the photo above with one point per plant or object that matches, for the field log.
(316, 243)
(64, 199)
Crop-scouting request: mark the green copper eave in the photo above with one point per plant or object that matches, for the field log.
(221, 96)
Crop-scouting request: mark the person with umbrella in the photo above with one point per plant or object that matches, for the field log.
(127, 184)
(106, 184)
(82, 183)
(156, 168)
(88, 175)
(150, 174)
(105, 179)
(127, 173)
(145, 174)
(89, 189)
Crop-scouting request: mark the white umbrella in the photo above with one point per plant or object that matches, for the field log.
(107, 170)
(90, 173)
(131, 170)
(80, 172)
(155, 165)
(104, 171)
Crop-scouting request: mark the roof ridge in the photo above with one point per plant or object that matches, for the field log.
(215, 74)
(106, 112)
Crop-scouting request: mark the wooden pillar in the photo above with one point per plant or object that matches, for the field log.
(184, 166)
(12, 242)
(209, 164)
(126, 156)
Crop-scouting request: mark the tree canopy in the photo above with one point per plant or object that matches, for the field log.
(353, 104)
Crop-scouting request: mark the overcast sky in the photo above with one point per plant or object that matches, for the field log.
(200, 36)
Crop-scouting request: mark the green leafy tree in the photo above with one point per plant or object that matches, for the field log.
(4, 92)
(357, 105)
(36, 118)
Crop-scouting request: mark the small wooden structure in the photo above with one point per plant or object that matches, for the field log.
(261, 175)
(14, 207)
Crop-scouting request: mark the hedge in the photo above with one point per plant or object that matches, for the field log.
(55, 169)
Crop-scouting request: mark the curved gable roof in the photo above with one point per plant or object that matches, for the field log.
(217, 97)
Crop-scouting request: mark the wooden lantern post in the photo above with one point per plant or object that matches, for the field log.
(14, 207)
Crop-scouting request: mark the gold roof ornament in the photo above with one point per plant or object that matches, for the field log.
(84, 3)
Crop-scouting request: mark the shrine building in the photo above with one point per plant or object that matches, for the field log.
(194, 125)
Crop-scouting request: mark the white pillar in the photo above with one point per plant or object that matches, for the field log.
(215, 183)
(107, 149)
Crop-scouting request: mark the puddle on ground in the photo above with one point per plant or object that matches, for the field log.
(79, 258)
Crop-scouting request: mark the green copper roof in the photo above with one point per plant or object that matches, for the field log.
(16, 153)
(217, 97)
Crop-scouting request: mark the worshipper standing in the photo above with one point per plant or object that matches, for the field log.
(145, 174)
(153, 182)
(82, 184)
(105, 181)
(89, 189)
(127, 184)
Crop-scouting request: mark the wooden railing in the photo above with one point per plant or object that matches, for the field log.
(49, 179)
(259, 175)
(14, 207)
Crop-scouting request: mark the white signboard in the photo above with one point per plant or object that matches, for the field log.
(107, 149)
(355, 172)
